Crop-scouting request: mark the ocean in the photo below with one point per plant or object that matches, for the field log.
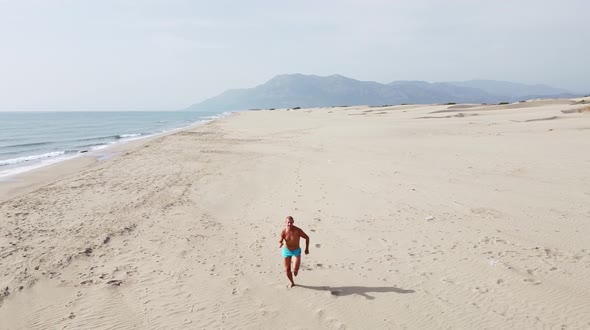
(30, 140)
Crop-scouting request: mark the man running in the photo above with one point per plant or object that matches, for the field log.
(291, 236)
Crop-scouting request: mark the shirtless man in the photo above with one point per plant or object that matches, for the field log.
(291, 236)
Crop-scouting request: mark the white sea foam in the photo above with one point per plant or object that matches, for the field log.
(37, 164)
(124, 136)
(19, 160)
(103, 146)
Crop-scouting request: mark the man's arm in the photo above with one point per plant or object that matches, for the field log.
(304, 235)
(281, 238)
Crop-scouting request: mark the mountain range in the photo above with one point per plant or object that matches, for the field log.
(298, 90)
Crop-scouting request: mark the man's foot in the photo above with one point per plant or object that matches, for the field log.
(291, 285)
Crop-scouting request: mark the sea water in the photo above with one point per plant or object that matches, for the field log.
(31, 140)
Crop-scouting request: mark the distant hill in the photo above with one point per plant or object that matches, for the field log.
(510, 89)
(298, 90)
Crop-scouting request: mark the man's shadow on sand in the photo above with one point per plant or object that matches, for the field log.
(340, 291)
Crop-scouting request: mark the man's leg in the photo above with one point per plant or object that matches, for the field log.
(288, 270)
(297, 263)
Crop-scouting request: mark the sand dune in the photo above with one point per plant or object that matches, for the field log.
(542, 119)
(585, 109)
(458, 115)
(478, 222)
(509, 106)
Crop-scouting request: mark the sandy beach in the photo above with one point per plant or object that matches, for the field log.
(420, 217)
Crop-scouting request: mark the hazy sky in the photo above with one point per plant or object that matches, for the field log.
(169, 54)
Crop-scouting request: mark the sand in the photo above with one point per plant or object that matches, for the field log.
(420, 217)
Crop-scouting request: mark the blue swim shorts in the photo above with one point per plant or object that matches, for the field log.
(291, 253)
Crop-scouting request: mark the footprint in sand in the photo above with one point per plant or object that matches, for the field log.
(532, 281)
(318, 246)
(115, 282)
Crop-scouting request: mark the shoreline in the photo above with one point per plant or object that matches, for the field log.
(16, 184)
(47, 158)
(424, 216)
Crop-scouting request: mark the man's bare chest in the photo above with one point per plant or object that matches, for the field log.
(291, 236)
